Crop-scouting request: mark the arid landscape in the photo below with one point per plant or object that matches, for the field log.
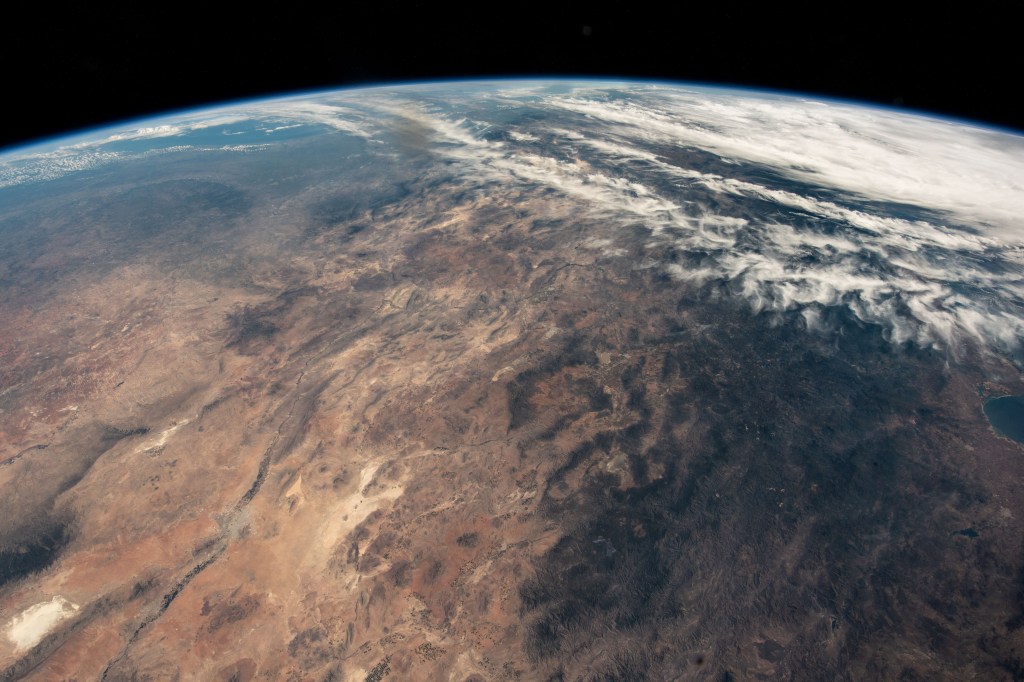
(266, 422)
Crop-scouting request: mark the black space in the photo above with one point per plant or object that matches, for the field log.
(84, 66)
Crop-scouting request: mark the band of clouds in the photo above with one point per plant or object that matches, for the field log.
(974, 174)
(934, 285)
(21, 167)
(941, 283)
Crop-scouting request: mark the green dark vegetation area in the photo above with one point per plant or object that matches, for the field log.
(792, 504)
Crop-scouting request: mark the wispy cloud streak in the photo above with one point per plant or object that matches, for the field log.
(931, 284)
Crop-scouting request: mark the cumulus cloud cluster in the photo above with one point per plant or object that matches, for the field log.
(52, 164)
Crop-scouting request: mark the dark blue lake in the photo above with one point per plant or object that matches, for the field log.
(1006, 415)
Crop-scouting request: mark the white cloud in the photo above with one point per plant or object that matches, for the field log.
(245, 147)
(975, 175)
(146, 133)
(339, 117)
(282, 127)
(21, 166)
(522, 137)
(923, 282)
(182, 126)
(51, 165)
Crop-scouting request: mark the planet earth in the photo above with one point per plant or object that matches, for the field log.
(535, 380)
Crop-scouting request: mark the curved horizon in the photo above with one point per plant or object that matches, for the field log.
(213, 105)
